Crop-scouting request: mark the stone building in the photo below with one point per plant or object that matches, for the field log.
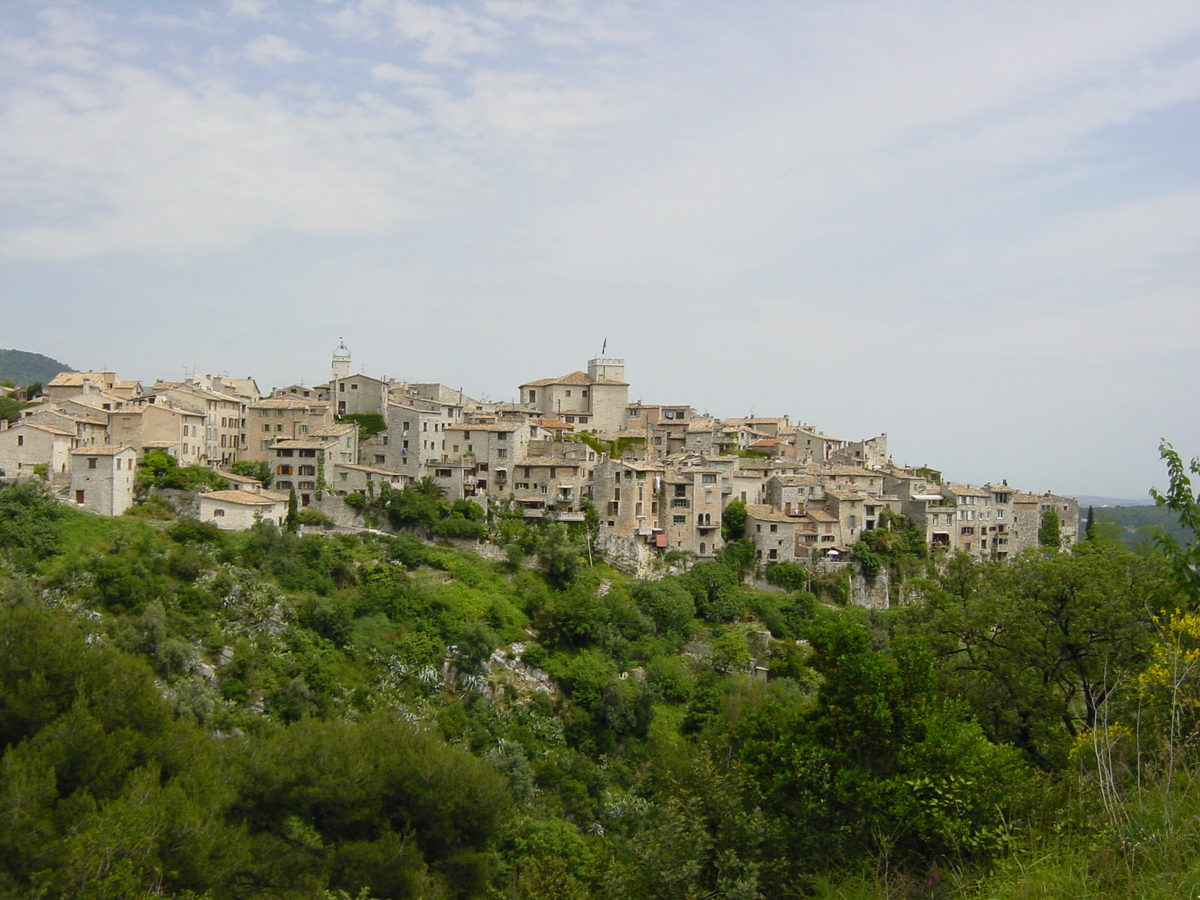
(282, 418)
(26, 445)
(103, 478)
(595, 400)
(240, 509)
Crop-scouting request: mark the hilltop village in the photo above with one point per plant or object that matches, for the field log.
(659, 476)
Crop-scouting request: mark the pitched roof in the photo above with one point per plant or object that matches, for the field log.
(246, 498)
(104, 450)
(286, 403)
(571, 378)
(49, 429)
(764, 513)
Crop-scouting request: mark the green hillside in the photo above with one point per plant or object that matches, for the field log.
(22, 368)
(192, 713)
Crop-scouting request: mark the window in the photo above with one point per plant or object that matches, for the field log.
(307, 486)
(91, 462)
(532, 396)
(570, 420)
(341, 387)
(219, 513)
(20, 440)
(263, 413)
(442, 473)
(354, 387)
(266, 428)
(307, 470)
(679, 520)
(304, 429)
(501, 453)
(568, 393)
(283, 470)
(709, 479)
(774, 528)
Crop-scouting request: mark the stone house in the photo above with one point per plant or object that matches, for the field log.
(700, 532)
(88, 429)
(1000, 529)
(223, 436)
(26, 445)
(350, 478)
(1028, 510)
(776, 535)
(595, 400)
(972, 516)
(870, 453)
(306, 466)
(148, 424)
(103, 478)
(792, 494)
(352, 394)
(238, 510)
(282, 418)
(65, 385)
(413, 437)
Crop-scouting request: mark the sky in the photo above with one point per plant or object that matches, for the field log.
(974, 227)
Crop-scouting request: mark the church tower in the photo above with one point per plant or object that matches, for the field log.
(341, 361)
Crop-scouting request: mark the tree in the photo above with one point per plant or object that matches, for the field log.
(1180, 498)
(1089, 531)
(667, 604)
(293, 514)
(417, 505)
(256, 469)
(1049, 533)
(733, 521)
(1037, 646)
(29, 519)
(740, 556)
(560, 556)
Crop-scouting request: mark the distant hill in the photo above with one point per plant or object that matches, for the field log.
(22, 368)
(1135, 525)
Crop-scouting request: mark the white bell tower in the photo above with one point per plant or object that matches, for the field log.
(341, 360)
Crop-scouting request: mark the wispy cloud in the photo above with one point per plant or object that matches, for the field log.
(271, 49)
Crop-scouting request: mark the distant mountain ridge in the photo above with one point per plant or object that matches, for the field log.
(22, 367)
(1085, 501)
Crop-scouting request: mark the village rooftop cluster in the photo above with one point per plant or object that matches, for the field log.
(658, 475)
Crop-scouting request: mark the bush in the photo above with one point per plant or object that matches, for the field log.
(313, 517)
(463, 529)
(792, 576)
(155, 508)
(193, 531)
